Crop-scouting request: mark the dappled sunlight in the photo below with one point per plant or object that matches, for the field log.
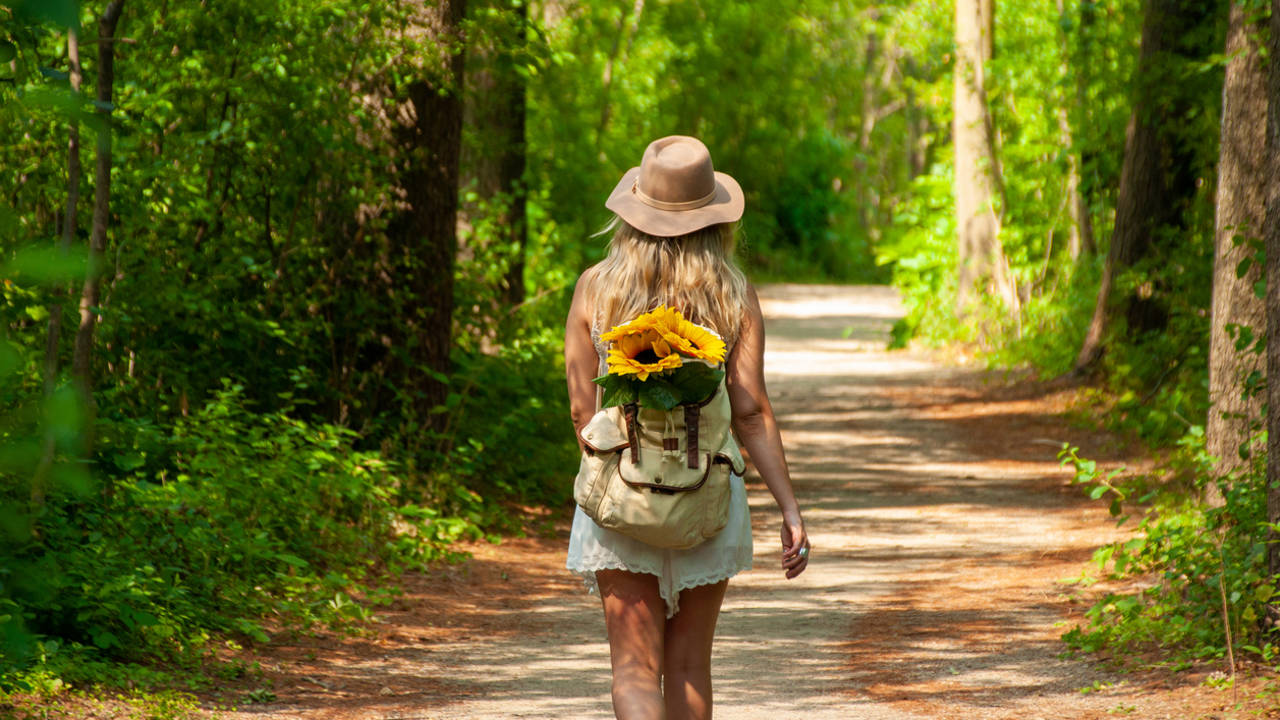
(933, 569)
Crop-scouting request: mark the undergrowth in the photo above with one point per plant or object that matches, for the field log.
(1192, 579)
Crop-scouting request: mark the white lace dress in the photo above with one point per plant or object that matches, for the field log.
(593, 548)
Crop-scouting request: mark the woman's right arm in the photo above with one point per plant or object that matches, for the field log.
(581, 363)
(754, 424)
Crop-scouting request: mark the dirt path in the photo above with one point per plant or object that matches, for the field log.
(940, 523)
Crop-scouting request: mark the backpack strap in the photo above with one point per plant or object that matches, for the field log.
(691, 413)
(633, 441)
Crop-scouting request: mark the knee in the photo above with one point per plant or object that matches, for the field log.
(636, 675)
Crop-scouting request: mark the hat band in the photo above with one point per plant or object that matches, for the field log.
(664, 205)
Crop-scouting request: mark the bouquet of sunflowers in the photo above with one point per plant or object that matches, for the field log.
(660, 360)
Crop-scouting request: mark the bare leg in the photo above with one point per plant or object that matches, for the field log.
(687, 652)
(635, 615)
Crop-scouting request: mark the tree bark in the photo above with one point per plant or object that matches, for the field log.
(1156, 178)
(81, 364)
(422, 231)
(1241, 209)
(69, 216)
(1271, 243)
(983, 269)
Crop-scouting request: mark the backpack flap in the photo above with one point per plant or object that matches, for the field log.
(605, 432)
(664, 471)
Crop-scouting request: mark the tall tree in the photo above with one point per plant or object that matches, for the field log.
(1158, 177)
(69, 215)
(1080, 237)
(81, 363)
(422, 230)
(983, 268)
(1271, 244)
(1238, 312)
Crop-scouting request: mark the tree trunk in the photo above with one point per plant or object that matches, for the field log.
(918, 132)
(1080, 238)
(69, 216)
(983, 269)
(1271, 243)
(54, 339)
(81, 364)
(1241, 208)
(1156, 179)
(422, 232)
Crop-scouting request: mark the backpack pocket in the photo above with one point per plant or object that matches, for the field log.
(677, 519)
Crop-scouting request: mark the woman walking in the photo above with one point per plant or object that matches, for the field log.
(673, 245)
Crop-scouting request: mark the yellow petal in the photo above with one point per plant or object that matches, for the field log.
(660, 347)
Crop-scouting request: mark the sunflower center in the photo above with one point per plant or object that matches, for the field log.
(647, 356)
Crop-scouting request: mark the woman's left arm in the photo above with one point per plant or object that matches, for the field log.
(581, 363)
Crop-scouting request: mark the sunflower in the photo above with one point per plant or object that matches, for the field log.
(686, 337)
(635, 327)
(641, 354)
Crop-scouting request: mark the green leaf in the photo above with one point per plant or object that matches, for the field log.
(105, 640)
(1242, 268)
(657, 393)
(618, 390)
(695, 381)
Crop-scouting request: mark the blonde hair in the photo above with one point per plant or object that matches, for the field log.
(693, 273)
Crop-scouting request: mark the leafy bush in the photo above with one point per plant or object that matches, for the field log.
(1191, 572)
(239, 513)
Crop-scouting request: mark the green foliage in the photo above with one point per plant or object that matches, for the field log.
(1082, 61)
(692, 382)
(921, 250)
(775, 90)
(509, 439)
(259, 436)
(1185, 561)
(248, 459)
(1053, 78)
(232, 514)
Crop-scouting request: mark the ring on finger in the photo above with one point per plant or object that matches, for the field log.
(804, 552)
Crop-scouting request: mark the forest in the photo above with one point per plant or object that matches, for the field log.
(283, 284)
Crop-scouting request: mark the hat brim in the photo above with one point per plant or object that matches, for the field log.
(725, 207)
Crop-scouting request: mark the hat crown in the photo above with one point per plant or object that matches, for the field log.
(676, 169)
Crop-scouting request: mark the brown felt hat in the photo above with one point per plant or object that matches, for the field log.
(675, 190)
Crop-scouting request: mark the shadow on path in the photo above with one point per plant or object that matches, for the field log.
(940, 520)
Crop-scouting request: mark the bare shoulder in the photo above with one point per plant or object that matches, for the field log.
(580, 309)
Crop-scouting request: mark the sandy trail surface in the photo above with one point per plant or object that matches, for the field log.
(941, 525)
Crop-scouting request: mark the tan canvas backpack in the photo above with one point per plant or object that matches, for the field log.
(660, 476)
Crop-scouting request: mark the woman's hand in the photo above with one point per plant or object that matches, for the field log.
(795, 546)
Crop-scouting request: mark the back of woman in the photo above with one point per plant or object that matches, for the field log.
(672, 244)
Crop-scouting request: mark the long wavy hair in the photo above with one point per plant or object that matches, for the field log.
(694, 273)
